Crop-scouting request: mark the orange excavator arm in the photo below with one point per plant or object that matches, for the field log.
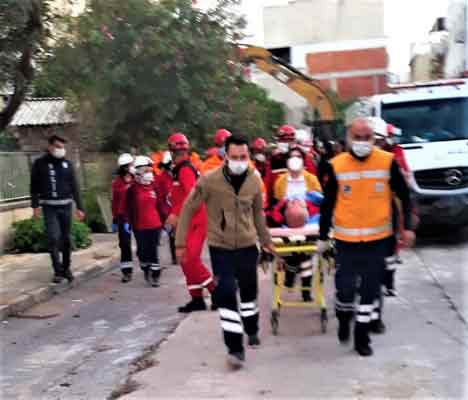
(291, 77)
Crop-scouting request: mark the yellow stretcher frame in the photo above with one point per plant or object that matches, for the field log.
(278, 275)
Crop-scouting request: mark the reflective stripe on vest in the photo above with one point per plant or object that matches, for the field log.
(363, 204)
(362, 231)
(371, 174)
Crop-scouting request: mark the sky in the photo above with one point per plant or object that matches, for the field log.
(408, 21)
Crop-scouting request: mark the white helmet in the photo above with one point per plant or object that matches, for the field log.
(166, 158)
(303, 137)
(142, 161)
(124, 159)
(379, 126)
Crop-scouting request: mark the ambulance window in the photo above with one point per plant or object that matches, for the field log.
(429, 121)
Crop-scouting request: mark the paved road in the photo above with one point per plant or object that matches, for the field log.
(79, 345)
(100, 328)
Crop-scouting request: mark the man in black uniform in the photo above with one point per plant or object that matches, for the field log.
(54, 188)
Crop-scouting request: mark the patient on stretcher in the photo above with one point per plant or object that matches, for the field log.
(297, 213)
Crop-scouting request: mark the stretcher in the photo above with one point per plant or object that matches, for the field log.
(288, 241)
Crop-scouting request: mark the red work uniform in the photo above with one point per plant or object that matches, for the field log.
(145, 220)
(119, 217)
(196, 273)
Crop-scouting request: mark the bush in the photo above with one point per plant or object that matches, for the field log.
(29, 236)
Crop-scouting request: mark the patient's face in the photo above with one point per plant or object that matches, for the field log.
(296, 213)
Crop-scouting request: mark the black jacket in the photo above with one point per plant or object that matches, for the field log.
(53, 182)
(397, 183)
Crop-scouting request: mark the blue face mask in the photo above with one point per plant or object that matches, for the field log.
(222, 152)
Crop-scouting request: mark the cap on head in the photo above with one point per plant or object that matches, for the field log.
(125, 159)
(286, 133)
(220, 137)
(178, 141)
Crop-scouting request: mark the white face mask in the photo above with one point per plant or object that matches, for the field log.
(295, 163)
(147, 178)
(59, 153)
(361, 149)
(283, 147)
(260, 157)
(238, 167)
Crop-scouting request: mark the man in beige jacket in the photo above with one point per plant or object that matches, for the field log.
(236, 223)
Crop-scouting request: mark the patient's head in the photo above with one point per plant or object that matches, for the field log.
(296, 213)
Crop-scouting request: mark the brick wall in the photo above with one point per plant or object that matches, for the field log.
(351, 73)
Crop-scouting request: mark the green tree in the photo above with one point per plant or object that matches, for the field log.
(22, 30)
(137, 70)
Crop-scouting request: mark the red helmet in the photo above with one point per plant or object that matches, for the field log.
(220, 137)
(259, 145)
(178, 141)
(286, 133)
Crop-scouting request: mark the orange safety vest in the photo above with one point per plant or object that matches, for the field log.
(363, 210)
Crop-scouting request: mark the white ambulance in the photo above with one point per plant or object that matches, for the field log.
(433, 118)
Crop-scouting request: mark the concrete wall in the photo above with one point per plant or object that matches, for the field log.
(456, 62)
(10, 213)
(314, 21)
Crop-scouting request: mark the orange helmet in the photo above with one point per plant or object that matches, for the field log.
(220, 137)
(259, 145)
(178, 141)
(286, 133)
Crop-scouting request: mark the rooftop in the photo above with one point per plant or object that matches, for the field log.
(42, 111)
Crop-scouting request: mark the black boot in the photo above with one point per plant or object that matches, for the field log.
(362, 340)
(126, 277)
(344, 329)
(57, 278)
(154, 278)
(67, 274)
(377, 326)
(196, 304)
(289, 278)
(236, 359)
(254, 341)
(214, 304)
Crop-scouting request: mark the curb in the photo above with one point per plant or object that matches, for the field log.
(40, 295)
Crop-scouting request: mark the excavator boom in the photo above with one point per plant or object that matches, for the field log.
(291, 77)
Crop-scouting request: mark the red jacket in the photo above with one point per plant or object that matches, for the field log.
(184, 178)
(400, 159)
(163, 183)
(119, 200)
(143, 207)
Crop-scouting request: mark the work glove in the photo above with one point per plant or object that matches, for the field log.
(114, 228)
(322, 246)
(127, 228)
(315, 198)
(168, 228)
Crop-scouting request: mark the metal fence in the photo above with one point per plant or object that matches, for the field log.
(15, 170)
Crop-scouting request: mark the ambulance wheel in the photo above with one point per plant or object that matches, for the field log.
(323, 320)
(274, 320)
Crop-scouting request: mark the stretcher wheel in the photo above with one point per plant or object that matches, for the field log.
(274, 320)
(323, 320)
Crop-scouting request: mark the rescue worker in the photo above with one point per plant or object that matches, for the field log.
(384, 134)
(258, 150)
(54, 187)
(120, 185)
(236, 221)
(145, 219)
(358, 198)
(184, 178)
(216, 159)
(164, 181)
